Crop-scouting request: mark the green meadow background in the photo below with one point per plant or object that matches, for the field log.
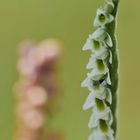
(71, 21)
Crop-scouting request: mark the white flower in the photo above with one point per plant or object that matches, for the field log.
(102, 17)
(101, 35)
(98, 115)
(101, 94)
(94, 83)
(98, 61)
(96, 73)
(91, 84)
(98, 40)
(98, 135)
(97, 47)
(101, 53)
(104, 75)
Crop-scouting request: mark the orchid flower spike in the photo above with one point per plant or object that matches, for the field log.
(102, 80)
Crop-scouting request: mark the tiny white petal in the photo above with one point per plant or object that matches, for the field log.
(99, 34)
(110, 118)
(102, 54)
(85, 83)
(109, 96)
(95, 135)
(110, 59)
(109, 41)
(108, 79)
(110, 135)
(102, 17)
(98, 135)
(97, 115)
(88, 45)
(95, 72)
(89, 101)
(101, 114)
(110, 18)
(88, 82)
(102, 36)
(101, 94)
(91, 63)
(93, 121)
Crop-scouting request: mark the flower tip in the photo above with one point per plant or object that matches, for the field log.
(87, 45)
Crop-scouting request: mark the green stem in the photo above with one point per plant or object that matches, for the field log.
(114, 66)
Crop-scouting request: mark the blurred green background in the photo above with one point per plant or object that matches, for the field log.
(70, 20)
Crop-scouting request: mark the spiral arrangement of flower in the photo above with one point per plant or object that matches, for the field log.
(102, 80)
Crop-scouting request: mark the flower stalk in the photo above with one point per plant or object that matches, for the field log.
(102, 81)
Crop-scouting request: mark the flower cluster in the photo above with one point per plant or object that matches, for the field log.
(36, 87)
(98, 81)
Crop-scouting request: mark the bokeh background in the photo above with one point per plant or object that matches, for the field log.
(71, 21)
